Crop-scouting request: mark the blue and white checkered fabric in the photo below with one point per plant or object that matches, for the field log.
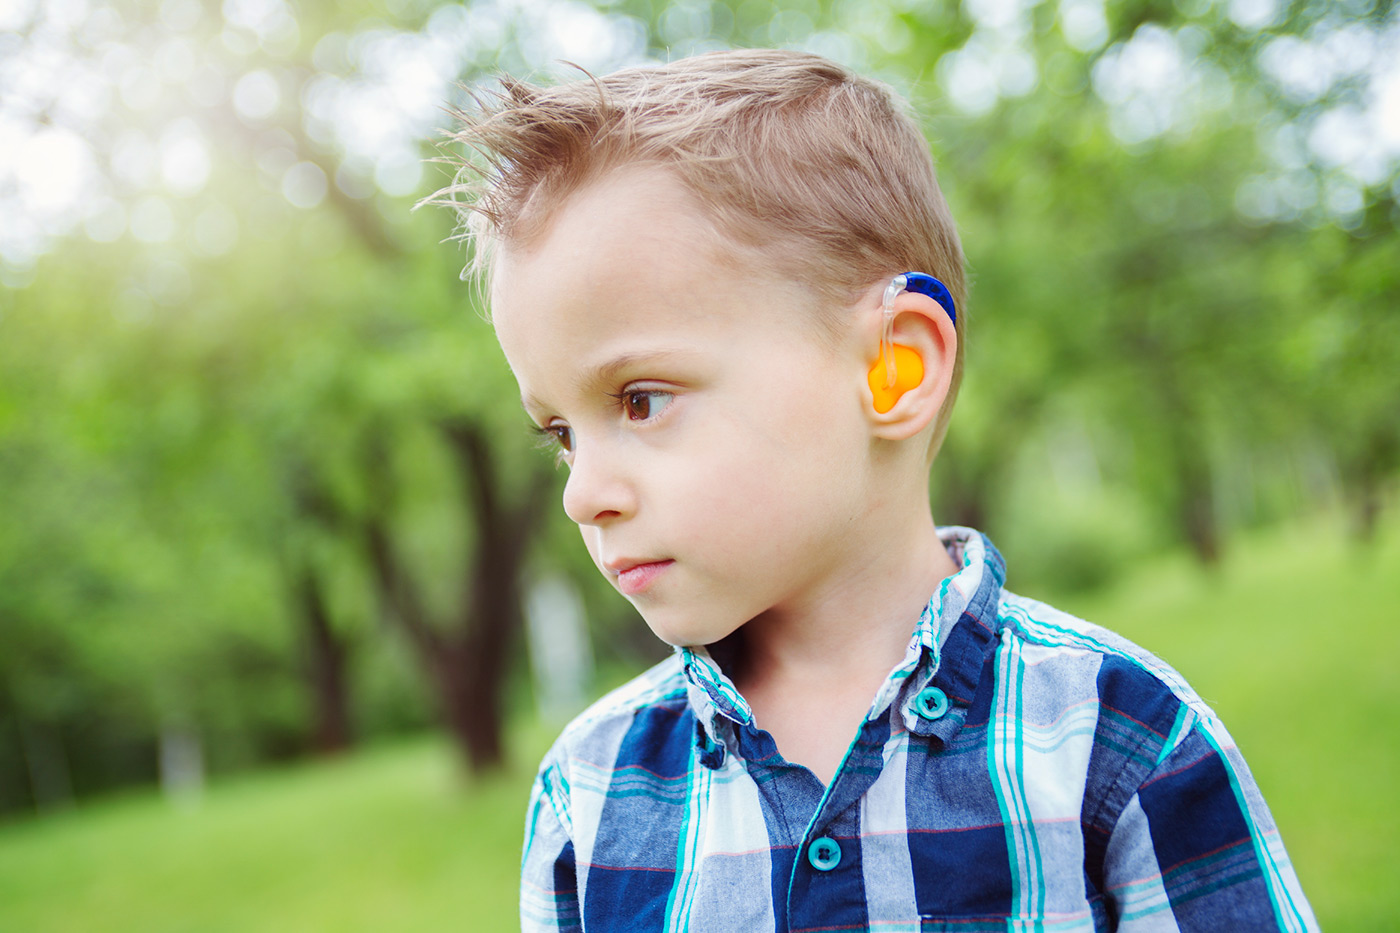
(1074, 782)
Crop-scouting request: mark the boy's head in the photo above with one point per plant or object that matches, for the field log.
(686, 267)
(805, 167)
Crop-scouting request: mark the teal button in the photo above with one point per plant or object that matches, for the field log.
(931, 703)
(824, 854)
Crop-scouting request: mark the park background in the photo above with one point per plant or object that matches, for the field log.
(273, 534)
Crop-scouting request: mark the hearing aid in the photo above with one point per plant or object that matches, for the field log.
(900, 368)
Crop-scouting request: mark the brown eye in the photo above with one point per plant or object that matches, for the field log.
(563, 436)
(643, 405)
(639, 405)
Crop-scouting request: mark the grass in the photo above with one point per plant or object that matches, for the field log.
(390, 839)
(1293, 641)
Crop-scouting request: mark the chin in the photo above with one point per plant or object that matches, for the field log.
(682, 633)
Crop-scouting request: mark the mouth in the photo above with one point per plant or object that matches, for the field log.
(633, 576)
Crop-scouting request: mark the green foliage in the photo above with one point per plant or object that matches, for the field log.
(187, 434)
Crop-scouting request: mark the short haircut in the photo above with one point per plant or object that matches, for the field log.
(809, 168)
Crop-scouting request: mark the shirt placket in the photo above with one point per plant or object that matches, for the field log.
(827, 879)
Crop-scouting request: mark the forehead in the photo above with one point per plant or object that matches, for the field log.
(628, 265)
(620, 232)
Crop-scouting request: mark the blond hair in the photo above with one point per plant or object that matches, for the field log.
(809, 168)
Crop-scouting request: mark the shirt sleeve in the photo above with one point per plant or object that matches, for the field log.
(548, 878)
(1196, 848)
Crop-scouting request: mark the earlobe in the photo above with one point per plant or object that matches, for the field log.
(908, 374)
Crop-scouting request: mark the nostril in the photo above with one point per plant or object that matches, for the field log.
(596, 491)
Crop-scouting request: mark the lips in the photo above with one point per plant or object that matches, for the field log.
(634, 576)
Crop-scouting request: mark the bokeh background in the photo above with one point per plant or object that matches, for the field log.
(288, 610)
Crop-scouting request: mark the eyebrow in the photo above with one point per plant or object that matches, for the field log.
(607, 372)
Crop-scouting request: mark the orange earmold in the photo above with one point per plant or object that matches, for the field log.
(909, 372)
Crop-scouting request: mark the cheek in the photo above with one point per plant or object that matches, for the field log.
(751, 494)
(792, 443)
(590, 541)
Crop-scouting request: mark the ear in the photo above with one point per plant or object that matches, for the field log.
(925, 345)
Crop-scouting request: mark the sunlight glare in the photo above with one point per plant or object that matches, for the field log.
(184, 158)
(52, 167)
(256, 95)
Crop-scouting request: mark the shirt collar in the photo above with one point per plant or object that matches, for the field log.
(947, 648)
(962, 631)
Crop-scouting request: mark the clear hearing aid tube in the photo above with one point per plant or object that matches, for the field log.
(897, 285)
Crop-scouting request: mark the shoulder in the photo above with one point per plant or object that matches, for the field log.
(1146, 717)
(1124, 673)
(1144, 709)
(1168, 799)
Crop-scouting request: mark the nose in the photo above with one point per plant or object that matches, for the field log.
(596, 491)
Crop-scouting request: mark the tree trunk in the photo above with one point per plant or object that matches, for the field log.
(50, 779)
(326, 656)
(325, 652)
(963, 489)
(492, 620)
(471, 702)
(1196, 502)
(1365, 476)
(466, 659)
(1368, 511)
(181, 763)
(1194, 494)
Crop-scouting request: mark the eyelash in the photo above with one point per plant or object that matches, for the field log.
(626, 394)
(548, 439)
(550, 435)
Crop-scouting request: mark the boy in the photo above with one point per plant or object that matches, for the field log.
(698, 277)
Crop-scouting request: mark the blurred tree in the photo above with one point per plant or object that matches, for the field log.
(250, 421)
(467, 657)
(1122, 173)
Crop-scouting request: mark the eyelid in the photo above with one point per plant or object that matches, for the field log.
(647, 387)
(547, 439)
(640, 388)
(546, 436)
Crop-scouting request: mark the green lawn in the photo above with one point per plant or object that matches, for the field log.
(1294, 642)
(390, 840)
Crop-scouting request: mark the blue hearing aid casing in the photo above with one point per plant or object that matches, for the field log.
(928, 285)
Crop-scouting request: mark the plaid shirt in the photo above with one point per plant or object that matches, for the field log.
(1020, 770)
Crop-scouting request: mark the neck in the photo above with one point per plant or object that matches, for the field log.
(854, 627)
